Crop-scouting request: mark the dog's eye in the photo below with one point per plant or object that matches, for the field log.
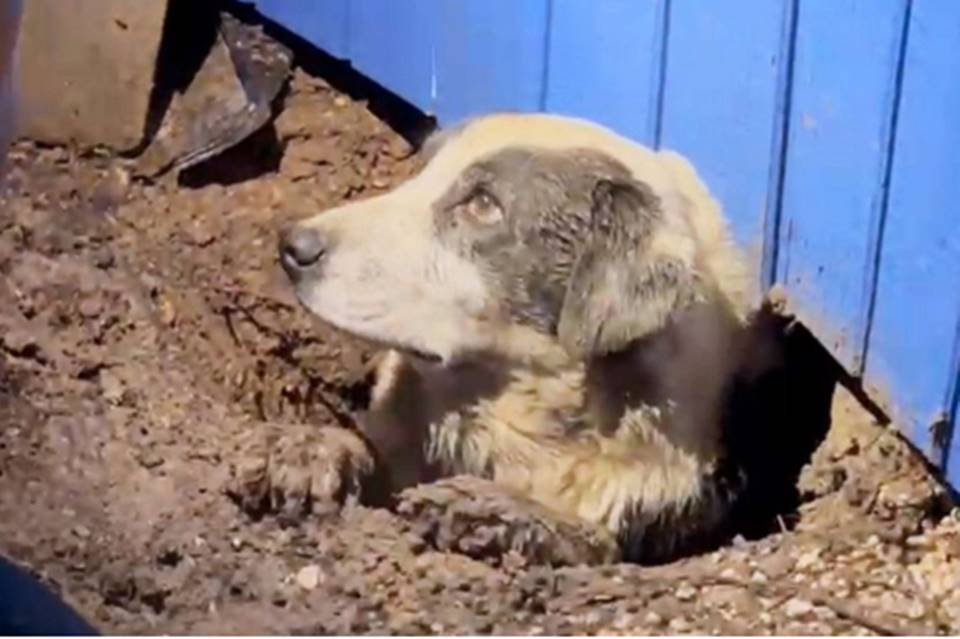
(482, 207)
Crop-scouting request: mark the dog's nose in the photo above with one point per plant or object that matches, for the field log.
(301, 248)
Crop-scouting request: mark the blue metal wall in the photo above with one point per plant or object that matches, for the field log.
(829, 130)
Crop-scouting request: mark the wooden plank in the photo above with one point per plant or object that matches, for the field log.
(490, 56)
(323, 23)
(719, 101)
(604, 63)
(915, 336)
(392, 42)
(845, 72)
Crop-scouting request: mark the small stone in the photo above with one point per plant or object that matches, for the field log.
(808, 559)
(916, 610)
(776, 565)
(111, 387)
(653, 619)
(730, 573)
(685, 592)
(797, 607)
(308, 577)
(200, 236)
(679, 624)
(168, 313)
(90, 307)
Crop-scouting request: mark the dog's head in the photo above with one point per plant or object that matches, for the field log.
(523, 236)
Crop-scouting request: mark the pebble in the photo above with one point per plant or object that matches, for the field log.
(808, 559)
(653, 618)
(679, 624)
(308, 577)
(685, 592)
(797, 607)
(111, 387)
(90, 307)
(776, 565)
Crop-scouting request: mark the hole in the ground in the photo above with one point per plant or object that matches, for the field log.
(778, 417)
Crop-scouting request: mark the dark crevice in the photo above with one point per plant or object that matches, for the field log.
(777, 419)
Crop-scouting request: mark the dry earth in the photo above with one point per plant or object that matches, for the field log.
(146, 329)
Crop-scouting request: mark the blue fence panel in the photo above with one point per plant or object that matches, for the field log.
(722, 73)
(829, 130)
(604, 63)
(916, 335)
(844, 89)
(393, 42)
(323, 23)
(490, 56)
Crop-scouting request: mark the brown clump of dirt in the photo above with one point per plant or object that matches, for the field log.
(145, 328)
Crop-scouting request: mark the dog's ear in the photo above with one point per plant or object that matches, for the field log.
(633, 271)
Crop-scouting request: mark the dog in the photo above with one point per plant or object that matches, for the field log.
(564, 311)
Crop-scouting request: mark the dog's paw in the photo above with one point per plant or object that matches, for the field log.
(480, 519)
(293, 471)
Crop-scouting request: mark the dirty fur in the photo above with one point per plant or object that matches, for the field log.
(566, 310)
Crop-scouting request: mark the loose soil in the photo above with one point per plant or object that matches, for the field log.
(146, 328)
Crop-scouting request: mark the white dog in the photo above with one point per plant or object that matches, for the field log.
(565, 310)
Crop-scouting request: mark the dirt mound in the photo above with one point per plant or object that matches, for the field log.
(144, 328)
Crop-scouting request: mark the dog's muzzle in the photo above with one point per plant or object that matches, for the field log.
(302, 251)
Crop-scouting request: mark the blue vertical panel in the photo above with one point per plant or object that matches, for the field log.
(490, 56)
(321, 22)
(845, 71)
(392, 42)
(604, 63)
(913, 343)
(720, 100)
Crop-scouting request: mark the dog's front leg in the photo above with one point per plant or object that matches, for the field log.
(295, 470)
(396, 424)
(487, 521)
